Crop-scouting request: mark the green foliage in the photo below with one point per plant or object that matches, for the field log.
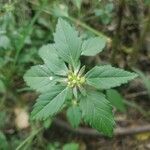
(67, 42)
(97, 112)
(62, 82)
(47, 123)
(93, 46)
(67, 146)
(147, 2)
(106, 77)
(116, 99)
(23, 29)
(3, 120)
(74, 116)
(77, 3)
(40, 78)
(4, 42)
(2, 87)
(3, 142)
(60, 10)
(71, 146)
(51, 59)
(105, 13)
(48, 104)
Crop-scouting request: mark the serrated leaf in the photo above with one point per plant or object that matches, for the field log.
(55, 64)
(49, 103)
(106, 77)
(97, 112)
(67, 42)
(93, 46)
(116, 99)
(39, 78)
(74, 116)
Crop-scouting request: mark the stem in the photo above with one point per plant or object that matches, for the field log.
(137, 107)
(29, 138)
(119, 131)
(76, 21)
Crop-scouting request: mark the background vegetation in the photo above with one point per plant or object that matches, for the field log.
(26, 25)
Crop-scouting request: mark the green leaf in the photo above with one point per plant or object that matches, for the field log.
(74, 116)
(147, 2)
(93, 46)
(39, 78)
(71, 146)
(105, 13)
(4, 41)
(47, 123)
(3, 120)
(2, 87)
(109, 7)
(77, 3)
(116, 99)
(106, 77)
(60, 10)
(3, 142)
(55, 64)
(50, 103)
(97, 112)
(67, 42)
(2, 62)
(105, 19)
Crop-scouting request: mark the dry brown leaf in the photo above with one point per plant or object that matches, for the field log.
(22, 118)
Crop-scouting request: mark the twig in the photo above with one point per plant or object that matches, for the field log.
(119, 131)
(29, 138)
(137, 107)
(85, 26)
(134, 95)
